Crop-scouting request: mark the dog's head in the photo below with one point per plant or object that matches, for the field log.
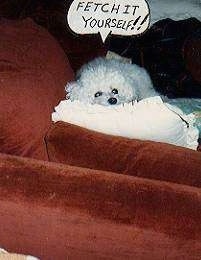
(106, 90)
(102, 82)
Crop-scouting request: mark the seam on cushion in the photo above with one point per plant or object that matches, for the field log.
(45, 139)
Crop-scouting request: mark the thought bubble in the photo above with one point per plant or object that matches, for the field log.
(120, 17)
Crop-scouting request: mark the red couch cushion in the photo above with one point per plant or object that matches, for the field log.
(78, 146)
(33, 72)
(55, 211)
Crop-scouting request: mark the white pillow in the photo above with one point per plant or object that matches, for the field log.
(149, 119)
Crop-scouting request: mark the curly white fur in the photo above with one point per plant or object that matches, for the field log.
(112, 80)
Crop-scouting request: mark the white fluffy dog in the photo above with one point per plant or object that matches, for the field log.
(110, 82)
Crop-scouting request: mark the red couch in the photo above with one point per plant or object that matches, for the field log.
(98, 196)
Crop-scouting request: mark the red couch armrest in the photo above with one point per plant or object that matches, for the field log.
(78, 146)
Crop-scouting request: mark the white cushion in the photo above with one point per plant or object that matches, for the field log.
(149, 119)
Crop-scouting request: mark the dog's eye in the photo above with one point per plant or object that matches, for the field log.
(98, 94)
(115, 91)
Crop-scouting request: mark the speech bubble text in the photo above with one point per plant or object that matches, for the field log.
(120, 17)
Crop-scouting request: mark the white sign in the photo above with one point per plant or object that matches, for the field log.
(121, 17)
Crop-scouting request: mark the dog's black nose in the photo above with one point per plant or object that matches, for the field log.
(112, 101)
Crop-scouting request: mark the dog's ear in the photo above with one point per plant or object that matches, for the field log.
(70, 88)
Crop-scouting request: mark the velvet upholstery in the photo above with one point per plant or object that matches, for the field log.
(78, 146)
(33, 72)
(55, 211)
